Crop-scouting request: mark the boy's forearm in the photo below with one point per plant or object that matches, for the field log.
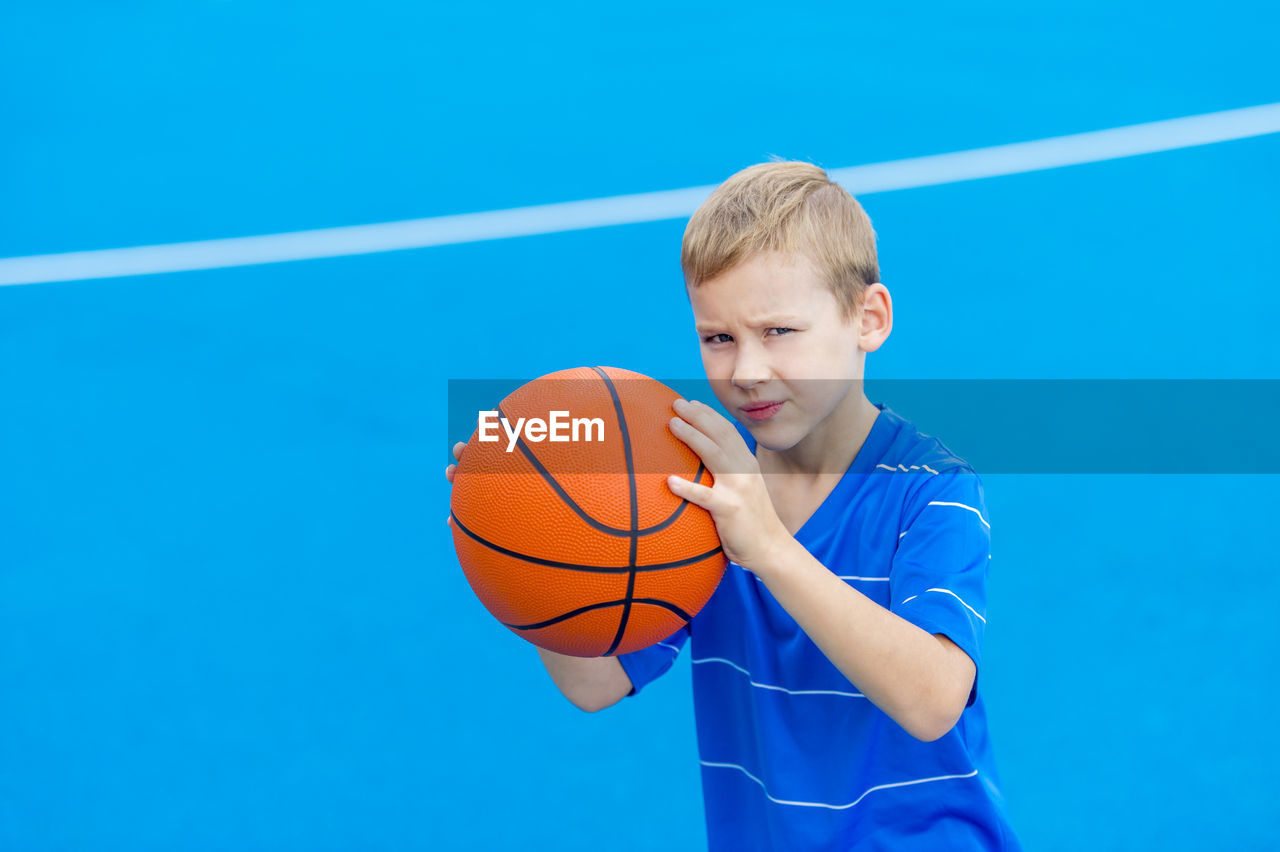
(590, 683)
(902, 669)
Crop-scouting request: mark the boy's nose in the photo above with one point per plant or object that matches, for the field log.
(749, 370)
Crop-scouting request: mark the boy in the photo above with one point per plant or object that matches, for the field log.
(835, 666)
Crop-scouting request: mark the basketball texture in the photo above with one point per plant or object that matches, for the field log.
(579, 546)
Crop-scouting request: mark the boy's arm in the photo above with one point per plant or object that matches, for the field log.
(590, 683)
(921, 680)
(910, 673)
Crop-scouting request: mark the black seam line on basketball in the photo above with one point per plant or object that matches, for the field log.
(574, 566)
(671, 519)
(578, 510)
(635, 509)
(580, 610)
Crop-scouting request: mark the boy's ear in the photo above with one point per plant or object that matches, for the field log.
(875, 318)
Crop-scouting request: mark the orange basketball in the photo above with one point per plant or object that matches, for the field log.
(569, 534)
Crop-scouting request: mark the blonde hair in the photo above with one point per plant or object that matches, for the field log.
(790, 207)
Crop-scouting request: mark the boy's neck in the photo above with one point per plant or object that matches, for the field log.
(831, 446)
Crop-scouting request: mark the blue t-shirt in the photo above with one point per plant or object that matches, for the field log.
(793, 757)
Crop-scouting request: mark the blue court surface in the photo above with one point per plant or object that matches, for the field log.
(231, 616)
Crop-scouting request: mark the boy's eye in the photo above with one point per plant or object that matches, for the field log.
(715, 338)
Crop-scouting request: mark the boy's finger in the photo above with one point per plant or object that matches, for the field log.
(706, 418)
(449, 470)
(457, 450)
(706, 448)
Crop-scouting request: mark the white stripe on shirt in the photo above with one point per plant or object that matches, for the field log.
(954, 595)
(824, 804)
(961, 506)
(907, 469)
(779, 688)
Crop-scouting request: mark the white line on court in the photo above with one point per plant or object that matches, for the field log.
(932, 170)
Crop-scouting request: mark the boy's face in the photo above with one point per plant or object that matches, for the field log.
(771, 331)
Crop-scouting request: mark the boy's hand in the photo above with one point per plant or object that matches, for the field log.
(457, 456)
(748, 526)
(450, 470)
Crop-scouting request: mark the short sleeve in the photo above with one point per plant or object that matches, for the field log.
(938, 579)
(648, 664)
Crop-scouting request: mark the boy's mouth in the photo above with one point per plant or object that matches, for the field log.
(762, 410)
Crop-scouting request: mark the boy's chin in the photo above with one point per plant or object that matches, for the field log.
(773, 436)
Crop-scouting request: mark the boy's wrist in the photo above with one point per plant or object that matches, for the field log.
(774, 555)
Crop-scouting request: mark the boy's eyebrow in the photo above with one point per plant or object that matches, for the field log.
(761, 322)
